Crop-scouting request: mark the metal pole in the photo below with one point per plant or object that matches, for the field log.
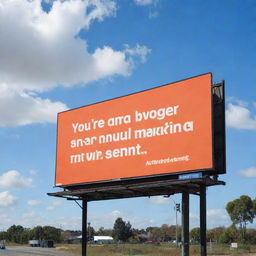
(176, 227)
(84, 228)
(203, 241)
(175, 208)
(185, 224)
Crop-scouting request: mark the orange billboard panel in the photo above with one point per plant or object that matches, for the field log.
(164, 130)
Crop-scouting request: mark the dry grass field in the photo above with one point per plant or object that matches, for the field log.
(153, 250)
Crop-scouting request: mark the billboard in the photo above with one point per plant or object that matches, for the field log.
(164, 130)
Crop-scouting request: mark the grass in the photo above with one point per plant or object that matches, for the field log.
(124, 250)
(14, 244)
(152, 250)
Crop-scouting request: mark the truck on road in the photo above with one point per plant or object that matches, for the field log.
(41, 243)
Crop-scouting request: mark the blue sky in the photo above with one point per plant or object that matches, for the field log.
(58, 55)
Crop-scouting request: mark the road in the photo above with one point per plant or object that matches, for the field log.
(31, 251)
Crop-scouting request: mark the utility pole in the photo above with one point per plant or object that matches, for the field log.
(176, 208)
(89, 231)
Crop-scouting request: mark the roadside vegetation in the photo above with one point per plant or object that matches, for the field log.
(16, 234)
(151, 241)
(154, 250)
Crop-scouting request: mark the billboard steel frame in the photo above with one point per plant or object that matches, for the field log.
(185, 187)
(163, 184)
(215, 102)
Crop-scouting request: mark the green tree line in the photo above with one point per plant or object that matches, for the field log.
(242, 211)
(21, 235)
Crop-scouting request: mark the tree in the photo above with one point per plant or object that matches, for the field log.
(241, 211)
(215, 234)
(90, 233)
(251, 236)
(122, 230)
(139, 235)
(51, 233)
(16, 234)
(104, 232)
(155, 234)
(21, 235)
(195, 235)
(37, 233)
(3, 235)
(165, 233)
(229, 235)
(254, 206)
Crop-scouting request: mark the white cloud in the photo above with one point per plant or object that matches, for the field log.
(46, 51)
(54, 205)
(32, 218)
(194, 220)
(115, 213)
(249, 173)
(42, 50)
(145, 2)
(215, 217)
(4, 218)
(104, 220)
(159, 200)
(107, 62)
(50, 208)
(33, 172)
(57, 202)
(153, 14)
(31, 214)
(20, 108)
(13, 179)
(33, 202)
(233, 99)
(140, 51)
(140, 222)
(217, 213)
(218, 216)
(239, 117)
(6, 199)
(107, 220)
(73, 223)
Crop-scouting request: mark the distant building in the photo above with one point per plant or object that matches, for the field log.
(103, 239)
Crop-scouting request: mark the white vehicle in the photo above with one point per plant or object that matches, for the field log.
(34, 243)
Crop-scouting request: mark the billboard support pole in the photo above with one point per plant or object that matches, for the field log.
(185, 224)
(203, 241)
(84, 228)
